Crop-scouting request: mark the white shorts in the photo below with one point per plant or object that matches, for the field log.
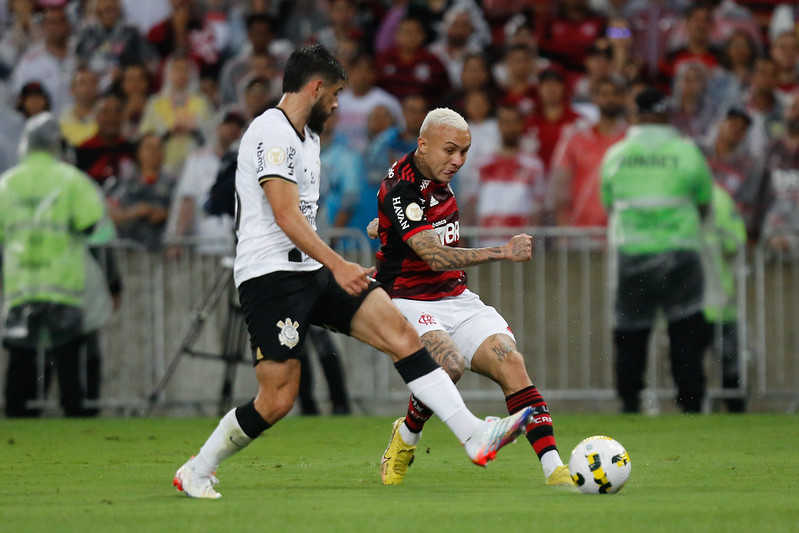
(464, 317)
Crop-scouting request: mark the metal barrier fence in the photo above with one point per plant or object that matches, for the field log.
(559, 306)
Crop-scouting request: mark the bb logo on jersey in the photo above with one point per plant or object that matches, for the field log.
(288, 336)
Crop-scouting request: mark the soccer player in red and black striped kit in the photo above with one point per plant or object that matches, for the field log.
(420, 265)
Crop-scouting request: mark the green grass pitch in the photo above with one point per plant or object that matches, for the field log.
(689, 474)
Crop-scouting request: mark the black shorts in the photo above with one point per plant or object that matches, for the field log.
(280, 306)
(671, 281)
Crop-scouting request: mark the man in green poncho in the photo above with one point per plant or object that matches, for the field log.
(657, 187)
(47, 211)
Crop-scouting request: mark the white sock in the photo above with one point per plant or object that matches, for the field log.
(437, 391)
(227, 439)
(549, 462)
(409, 436)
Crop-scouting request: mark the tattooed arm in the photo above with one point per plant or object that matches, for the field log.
(427, 245)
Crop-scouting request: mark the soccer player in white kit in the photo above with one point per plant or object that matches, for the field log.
(420, 265)
(288, 279)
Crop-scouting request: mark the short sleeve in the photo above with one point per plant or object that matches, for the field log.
(275, 152)
(403, 207)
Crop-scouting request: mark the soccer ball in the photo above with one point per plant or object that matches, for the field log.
(599, 465)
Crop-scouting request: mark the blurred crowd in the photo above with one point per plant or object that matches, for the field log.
(151, 95)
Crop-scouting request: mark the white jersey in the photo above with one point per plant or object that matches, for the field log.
(272, 149)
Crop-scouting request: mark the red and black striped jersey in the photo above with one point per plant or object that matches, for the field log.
(407, 204)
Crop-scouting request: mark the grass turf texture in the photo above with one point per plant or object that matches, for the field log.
(701, 473)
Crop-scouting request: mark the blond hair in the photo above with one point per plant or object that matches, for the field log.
(443, 116)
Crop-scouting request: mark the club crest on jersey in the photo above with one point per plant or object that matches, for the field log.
(288, 336)
(414, 212)
(276, 155)
(427, 320)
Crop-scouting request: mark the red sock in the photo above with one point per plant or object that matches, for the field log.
(418, 414)
(539, 432)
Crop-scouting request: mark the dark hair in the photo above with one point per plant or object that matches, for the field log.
(310, 62)
(29, 89)
(255, 18)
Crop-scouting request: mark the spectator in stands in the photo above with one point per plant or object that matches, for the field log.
(135, 87)
(781, 225)
(735, 168)
(386, 35)
(347, 199)
(475, 75)
(342, 27)
(107, 43)
(567, 36)
(263, 66)
(261, 40)
(730, 16)
(77, 121)
(512, 186)
(109, 156)
(737, 60)
(698, 25)
(33, 99)
(358, 99)
(785, 53)
(598, 66)
(654, 24)
(462, 32)
(519, 88)
(409, 68)
(257, 97)
(187, 216)
(546, 123)
(51, 62)
(396, 141)
(762, 102)
(179, 112)
(574, 182)
(486, 141)
(189, 30)
(626, 60)
(139, 206)
(693, 106)
(17, 37)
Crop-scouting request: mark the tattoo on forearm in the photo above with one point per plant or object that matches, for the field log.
(427, 246)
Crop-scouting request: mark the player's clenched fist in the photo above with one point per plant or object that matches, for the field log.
(520, 247)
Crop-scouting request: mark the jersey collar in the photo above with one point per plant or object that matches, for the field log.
(299, 134)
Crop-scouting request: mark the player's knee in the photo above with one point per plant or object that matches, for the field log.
(513, 372)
